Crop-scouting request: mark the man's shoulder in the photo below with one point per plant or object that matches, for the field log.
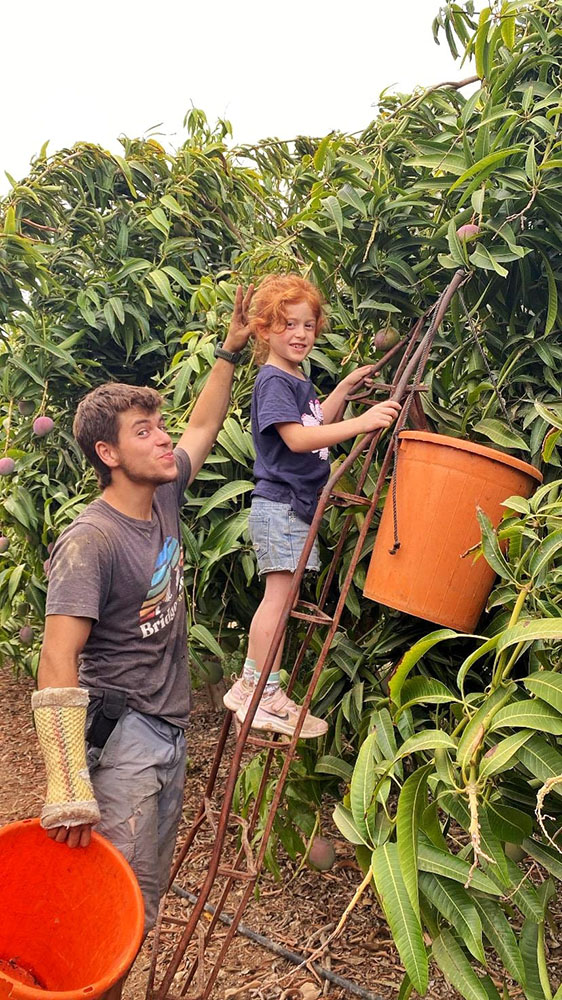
(94, 523)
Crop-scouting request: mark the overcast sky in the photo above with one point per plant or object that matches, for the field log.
(93, 71)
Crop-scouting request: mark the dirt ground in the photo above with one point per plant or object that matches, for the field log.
(298, 913)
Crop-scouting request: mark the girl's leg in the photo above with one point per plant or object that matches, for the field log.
(276, 712)
(265, 621)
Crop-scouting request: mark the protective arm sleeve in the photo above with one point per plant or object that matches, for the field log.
(60, 720)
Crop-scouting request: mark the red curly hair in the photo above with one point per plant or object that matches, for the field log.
(268, 312)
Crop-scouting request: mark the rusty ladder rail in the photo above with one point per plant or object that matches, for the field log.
(413, 362)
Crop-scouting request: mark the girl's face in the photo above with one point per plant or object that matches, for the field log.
(288, 348)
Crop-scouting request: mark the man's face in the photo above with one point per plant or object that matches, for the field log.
(144, 447)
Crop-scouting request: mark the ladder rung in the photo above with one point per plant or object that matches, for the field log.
(349, 499)
(312, 613)
(264, 744)
(235, 873)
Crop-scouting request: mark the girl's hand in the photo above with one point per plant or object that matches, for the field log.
(379, 415)
(239, 330)
(356, 377)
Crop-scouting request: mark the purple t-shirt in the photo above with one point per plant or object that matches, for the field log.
(281, 474)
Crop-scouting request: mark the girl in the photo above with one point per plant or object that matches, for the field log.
(292, 432)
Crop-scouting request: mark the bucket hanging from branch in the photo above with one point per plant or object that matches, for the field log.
(440, 483)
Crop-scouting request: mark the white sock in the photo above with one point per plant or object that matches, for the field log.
(248, 670)
(272, 684)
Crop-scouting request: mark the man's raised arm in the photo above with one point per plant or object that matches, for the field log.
(208, 414)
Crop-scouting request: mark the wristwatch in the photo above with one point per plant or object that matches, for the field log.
(232, 356)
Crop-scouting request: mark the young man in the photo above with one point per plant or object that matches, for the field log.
(115, 634)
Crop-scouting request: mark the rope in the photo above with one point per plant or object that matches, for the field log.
(489, 371)
(399, 426)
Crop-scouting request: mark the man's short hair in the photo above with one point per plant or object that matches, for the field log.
(97, 419)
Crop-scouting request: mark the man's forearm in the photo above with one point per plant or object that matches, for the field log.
(212, 403)
(57, 672)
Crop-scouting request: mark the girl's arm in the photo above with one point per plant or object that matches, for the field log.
(301, 439)
(334, 405)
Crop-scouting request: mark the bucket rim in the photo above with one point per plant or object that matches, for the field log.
(445, 440)
(126, 959)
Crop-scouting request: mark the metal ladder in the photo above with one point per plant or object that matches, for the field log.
(245, 867)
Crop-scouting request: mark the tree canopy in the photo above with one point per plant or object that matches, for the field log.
(125, 267)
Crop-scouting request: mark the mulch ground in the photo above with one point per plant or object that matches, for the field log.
(299, 912)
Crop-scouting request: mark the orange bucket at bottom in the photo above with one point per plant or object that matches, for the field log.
(440, 482)
(71, 919)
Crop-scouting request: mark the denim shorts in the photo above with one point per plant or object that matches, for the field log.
(138, 779)
(278, 536)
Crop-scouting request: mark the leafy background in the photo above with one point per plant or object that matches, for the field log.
(125, 266)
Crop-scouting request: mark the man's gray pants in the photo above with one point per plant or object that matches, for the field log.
(138, 779)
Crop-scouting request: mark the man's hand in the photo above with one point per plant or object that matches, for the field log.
(239, 330)
(74, 836)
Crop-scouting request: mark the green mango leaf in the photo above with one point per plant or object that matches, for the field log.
(161, 281)
(551, 412)
(545, 553)
(491, 547)
(492, 159)
(541, 759)
(529, 630)
(481, 722)
(500, 756)
(363, 783)
(413, 656)
(411, 803)
(530, 942)
(500, 934)
(384, 733)
(431, 859)
(334, 765)
(333, 209)
(227, 492)
(424, 691)
(455, 904)
(547, 856)
(201, 634)
(508, 30)
(487, 647)
(521, 891)
(500, 433)
(400, 915)
(529, 713)
(429, 739)
(344, 821)
(547, 685)
(549, 444)
(491, 844)
(456, 967)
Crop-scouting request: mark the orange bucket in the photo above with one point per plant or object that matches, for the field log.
(440, 483)
(71, 919)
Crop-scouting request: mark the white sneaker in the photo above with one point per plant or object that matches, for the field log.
(237, 695)
(276, 713)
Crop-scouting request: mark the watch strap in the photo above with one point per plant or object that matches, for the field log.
(232, 356)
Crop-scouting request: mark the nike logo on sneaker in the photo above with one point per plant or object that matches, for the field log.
(275, 715)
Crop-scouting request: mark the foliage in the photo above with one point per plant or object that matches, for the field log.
(443, 785)
(124, 267)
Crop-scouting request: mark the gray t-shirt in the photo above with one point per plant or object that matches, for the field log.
(127, 575)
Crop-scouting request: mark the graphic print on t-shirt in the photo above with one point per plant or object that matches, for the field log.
(313, 419)
(164, 587)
